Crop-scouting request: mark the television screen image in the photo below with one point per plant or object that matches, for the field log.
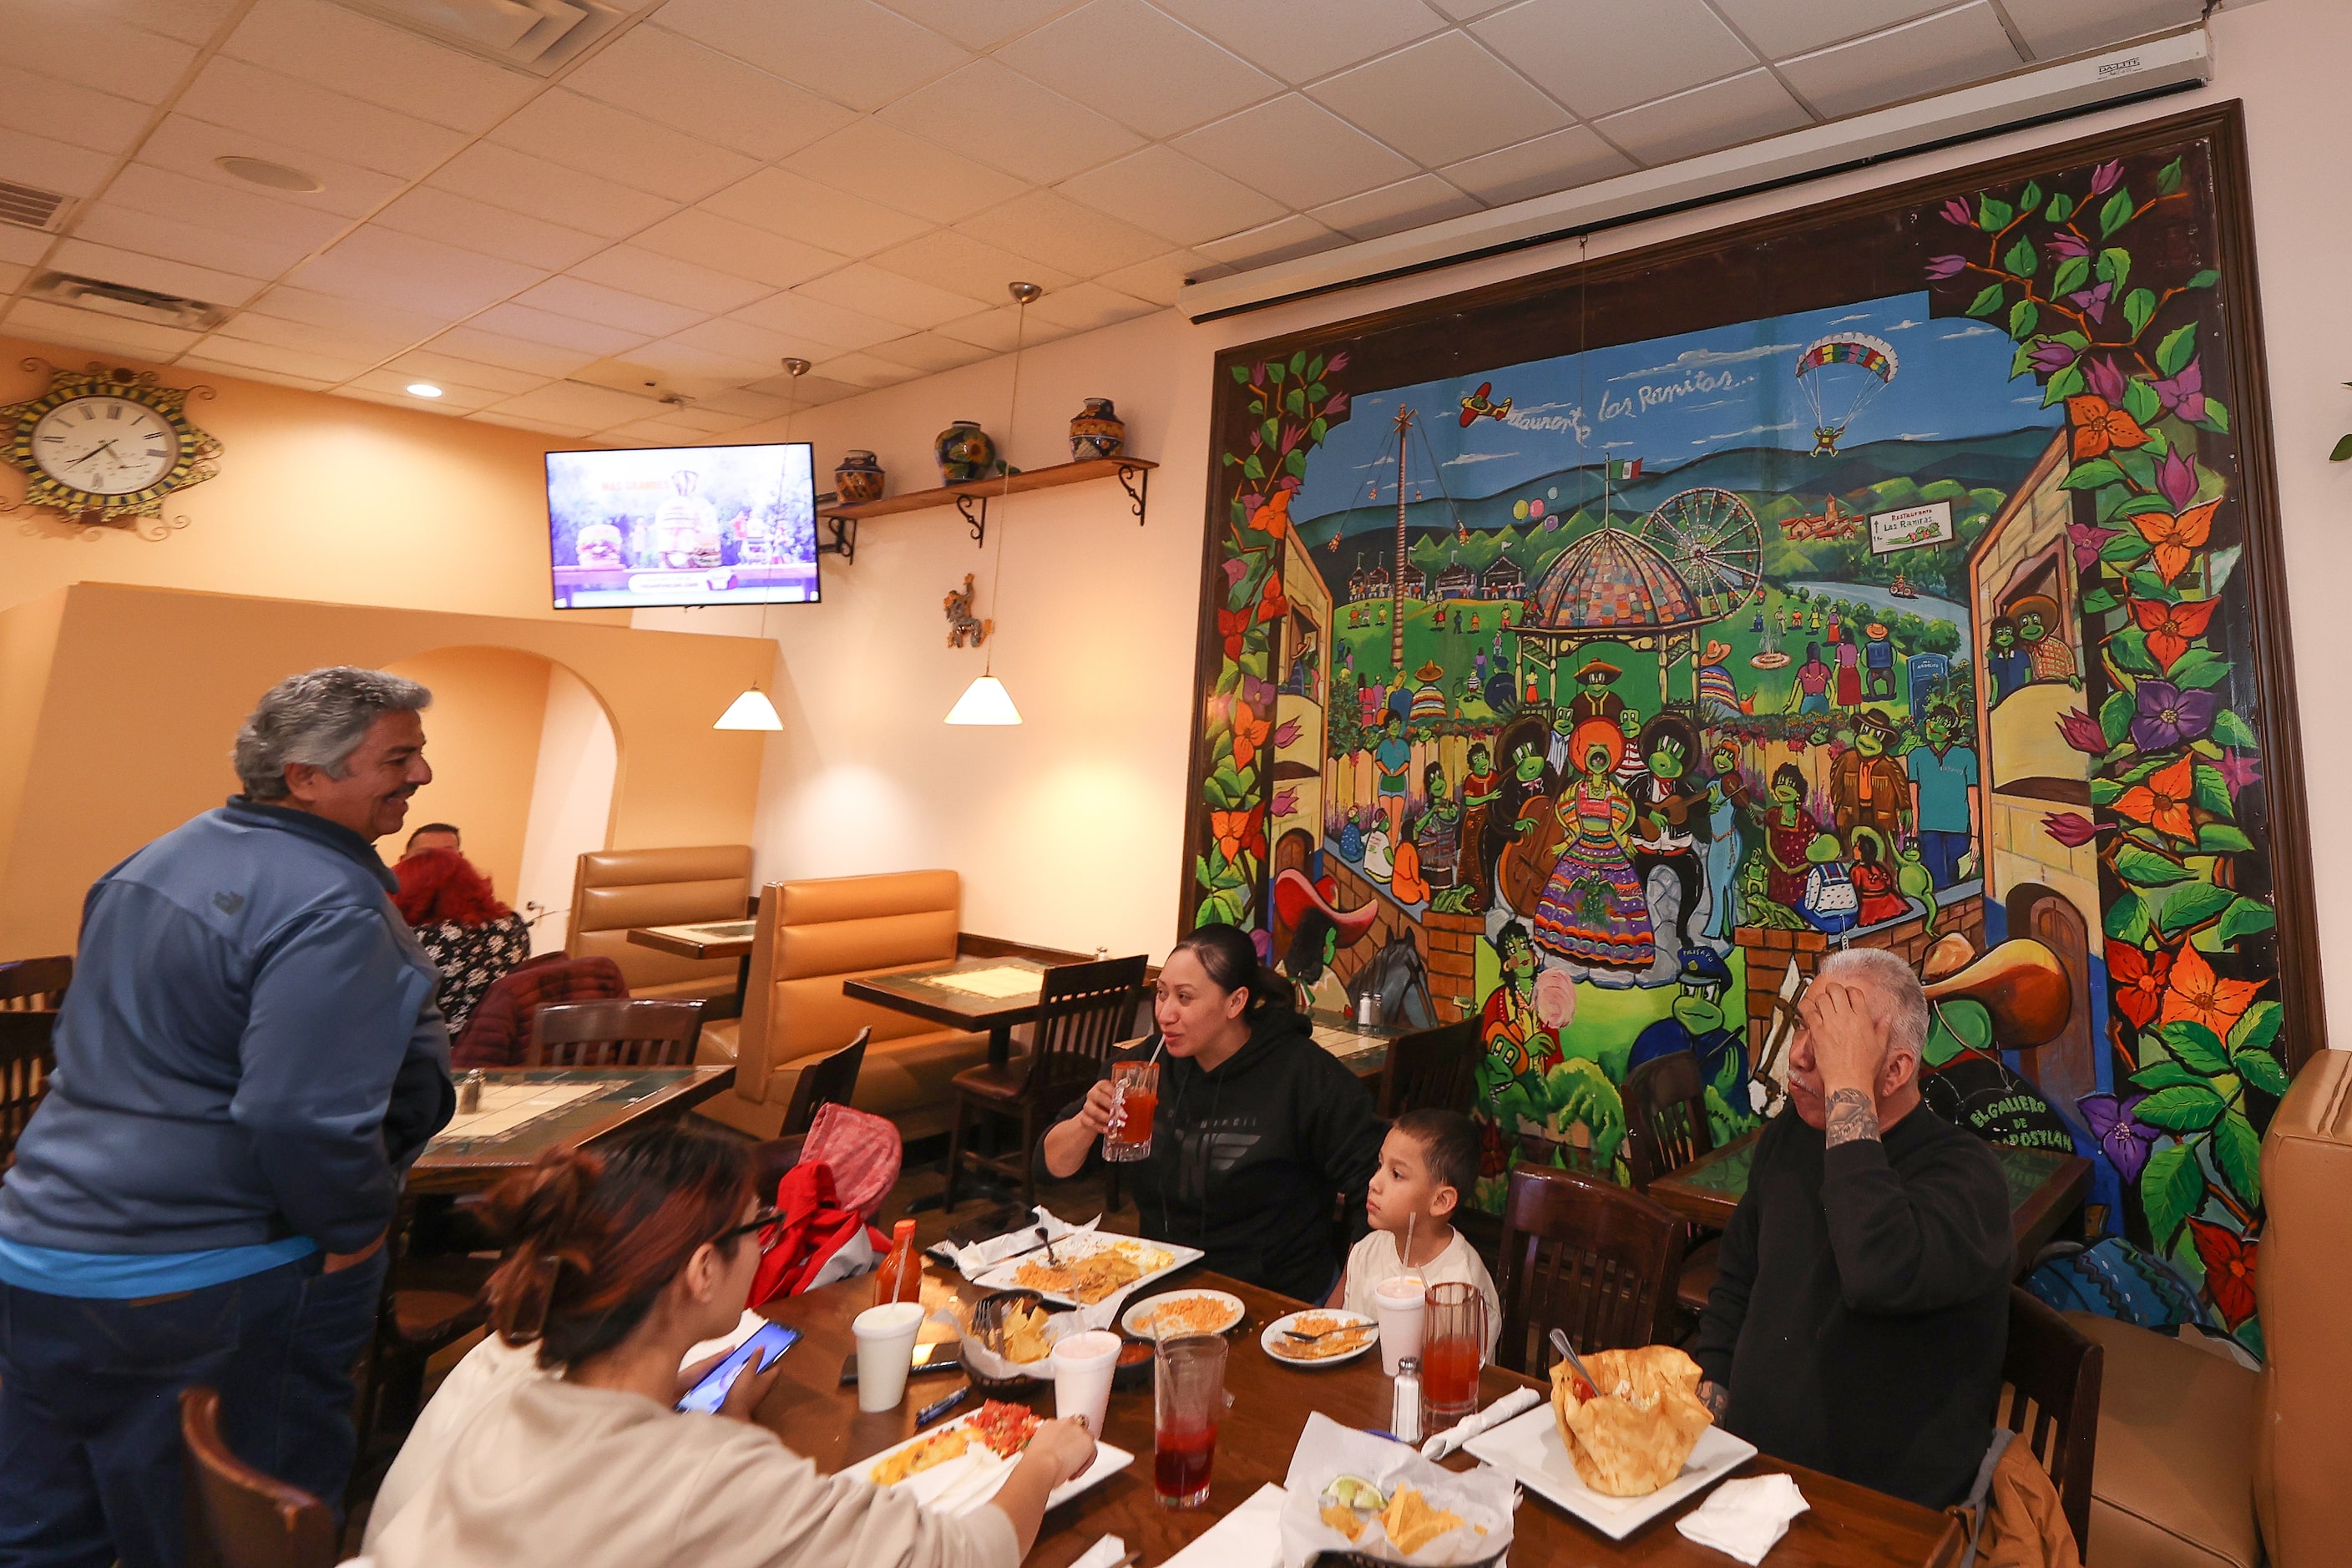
(683, 525)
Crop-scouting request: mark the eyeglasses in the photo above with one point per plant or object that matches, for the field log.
(760, 1221)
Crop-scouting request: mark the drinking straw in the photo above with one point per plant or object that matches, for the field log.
(1407, 1259)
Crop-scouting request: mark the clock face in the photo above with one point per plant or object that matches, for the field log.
(105, 445)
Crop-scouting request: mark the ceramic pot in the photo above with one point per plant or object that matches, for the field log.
(858, 479)
(965, 453)
(1098, 431)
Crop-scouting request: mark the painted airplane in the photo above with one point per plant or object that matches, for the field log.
(1477, 406)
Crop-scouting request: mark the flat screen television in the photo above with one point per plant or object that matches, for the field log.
(683, 525)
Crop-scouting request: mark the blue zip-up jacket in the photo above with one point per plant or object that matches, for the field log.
(249, 1051)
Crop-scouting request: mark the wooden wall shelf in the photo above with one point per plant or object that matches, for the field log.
(1133, 474)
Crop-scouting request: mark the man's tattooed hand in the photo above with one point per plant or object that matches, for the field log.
(1715, 1397)
(1850, 1116)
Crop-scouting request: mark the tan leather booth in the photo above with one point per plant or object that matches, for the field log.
(811, 937)
(615, 889)
(2204, 1464)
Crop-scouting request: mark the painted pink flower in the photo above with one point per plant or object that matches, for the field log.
(2176, 479)
(1339, 363)
(1947, 265)
(1236, 566)
(2070, 828)
(2089, 539)
(2184, 393)
(2107, 176)
(2082, 732)
(2104, 379)
(2050, 356)
(1286, 733)
(1285, 802)
(2240, 769)
(2066, 243)
(2093, 302)
(1959, 212)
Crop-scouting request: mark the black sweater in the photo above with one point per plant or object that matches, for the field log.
(1246, 1160)
(1861, 1305)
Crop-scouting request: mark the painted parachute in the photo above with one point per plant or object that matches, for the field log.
(1840, 375)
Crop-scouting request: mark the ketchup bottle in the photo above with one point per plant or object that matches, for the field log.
(900, 1277)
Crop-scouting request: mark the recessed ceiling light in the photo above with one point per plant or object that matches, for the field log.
(423, 389)
(262, 171)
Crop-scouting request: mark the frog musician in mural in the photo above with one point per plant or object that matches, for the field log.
(1319, 931)
(1671, 821)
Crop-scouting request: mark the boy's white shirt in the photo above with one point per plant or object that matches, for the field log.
(1376, 1258)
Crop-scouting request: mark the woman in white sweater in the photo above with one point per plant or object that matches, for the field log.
(618, 1264)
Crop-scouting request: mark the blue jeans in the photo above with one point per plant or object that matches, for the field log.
(1942, 851)
(90, 1466)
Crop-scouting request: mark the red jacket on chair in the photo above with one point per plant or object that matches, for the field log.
(498, 1034)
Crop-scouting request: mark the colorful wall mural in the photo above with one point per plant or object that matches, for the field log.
(1592, 656)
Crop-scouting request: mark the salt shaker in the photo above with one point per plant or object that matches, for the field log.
(1404, 1405)
(1365, 1014)
(469, 1092)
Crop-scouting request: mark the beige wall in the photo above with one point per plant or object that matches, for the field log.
(570, 803)
(146, 688)
(481, 737)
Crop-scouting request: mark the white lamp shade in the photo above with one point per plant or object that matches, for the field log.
(752, 710)
(984, 701)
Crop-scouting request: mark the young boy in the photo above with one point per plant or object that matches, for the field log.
(1428, 1164)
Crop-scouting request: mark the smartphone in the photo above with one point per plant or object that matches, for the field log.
(939, 1356)
(773, 1341)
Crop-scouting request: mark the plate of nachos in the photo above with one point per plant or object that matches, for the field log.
(1088, 1267)
(957, 1468)
(1181, 1313)
(1339, 1337)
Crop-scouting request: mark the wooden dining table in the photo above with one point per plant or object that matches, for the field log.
(578, 1106)
(1847, 1526)
(920, 992)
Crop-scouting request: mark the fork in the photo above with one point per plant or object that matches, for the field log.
(1310, 1338)
(1049, 1247)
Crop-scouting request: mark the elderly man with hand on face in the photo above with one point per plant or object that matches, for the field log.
(1861, 1304)
(247, 1060)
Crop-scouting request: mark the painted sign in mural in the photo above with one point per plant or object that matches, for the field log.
(1592, 657)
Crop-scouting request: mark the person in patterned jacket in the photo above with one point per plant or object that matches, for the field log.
(469, 936)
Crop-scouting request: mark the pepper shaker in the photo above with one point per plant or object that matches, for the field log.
(1404, 1404)
(469, 1092)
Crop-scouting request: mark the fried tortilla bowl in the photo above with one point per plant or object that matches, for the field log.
(1634, 1435)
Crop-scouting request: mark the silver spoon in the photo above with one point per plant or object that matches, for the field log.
(1559, 1342)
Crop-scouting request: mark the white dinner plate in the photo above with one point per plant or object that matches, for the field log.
(1276, 1343)
(1529, 1449)
(964, 1484)
(1138, 1321)
(1006, 1275)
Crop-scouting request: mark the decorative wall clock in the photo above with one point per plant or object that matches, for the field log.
(107, 446)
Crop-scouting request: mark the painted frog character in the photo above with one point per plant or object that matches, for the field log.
(1697, 1023)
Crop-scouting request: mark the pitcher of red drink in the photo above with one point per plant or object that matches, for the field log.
(1452, 1353)
(1129, 1137)
(1188, 1396)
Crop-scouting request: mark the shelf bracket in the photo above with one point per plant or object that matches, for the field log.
(977, 521)
(844, 539)
(1128, 474)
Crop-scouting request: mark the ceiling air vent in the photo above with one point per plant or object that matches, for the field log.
(29, 206)
(130, 304)
(534, 36)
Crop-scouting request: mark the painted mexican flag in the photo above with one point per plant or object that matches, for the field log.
(1620, 469)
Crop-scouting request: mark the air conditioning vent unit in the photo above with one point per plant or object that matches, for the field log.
(539, 36)
(29, 206)
(130, 304)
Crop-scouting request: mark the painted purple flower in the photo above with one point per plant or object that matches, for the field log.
(1258, 694)
(1285, 802)
(2176, 480)
(1286, 733)
(2050, 356)
(2168, 716)
(2070, 829)
(1947, 265)
(2127, 1142)
(1339, 363)
(2184, 393)
(1959, 212)
(2103, 380)
(2093, 302)
(2089, 539)
(2082, 732)
(1338, 404)
(2240, 769)
(1235, 567)
(2065, 242)
(2107, 176)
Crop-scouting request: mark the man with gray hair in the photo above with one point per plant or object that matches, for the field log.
(1861, 1300)
(248, 1058)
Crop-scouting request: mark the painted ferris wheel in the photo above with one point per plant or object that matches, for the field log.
(1713, 541)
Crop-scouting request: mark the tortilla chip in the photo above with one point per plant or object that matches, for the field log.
(1634, 1435)
(1346, 1521)
(1025, 1337)
(1412, 1524)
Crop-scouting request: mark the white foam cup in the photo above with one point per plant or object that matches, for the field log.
(1083, 1364)
(1399, 1304)
(885, 1348)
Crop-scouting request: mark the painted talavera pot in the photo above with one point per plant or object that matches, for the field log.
(1098, 431)
(965, 453)
(857, 479)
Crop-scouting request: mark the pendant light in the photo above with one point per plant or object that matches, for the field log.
(985, 701)
(753, 711)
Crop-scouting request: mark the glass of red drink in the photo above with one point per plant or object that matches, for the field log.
(1187, 1397)
(1452, 1352)
(1129, 1137)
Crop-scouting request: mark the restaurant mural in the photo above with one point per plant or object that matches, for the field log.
(1592, 656)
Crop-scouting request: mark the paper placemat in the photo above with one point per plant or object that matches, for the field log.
(507, 1105)
(996, 985)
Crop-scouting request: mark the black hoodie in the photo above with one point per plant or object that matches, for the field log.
(1247, 1160)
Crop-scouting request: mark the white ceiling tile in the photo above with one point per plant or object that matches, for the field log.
(869, 290)
(1297, 151)
(145, 188)
(538, 359)
(53, 165)
(13, 275)
(1003, 329)
(1280, 240)
(504, 177)
(1085, 307)
(2055, 28)
(929, 352)
(189, 146)
(224, 349)
(1139, 66)
(417, 274)
(597, 139)
(24, 245)
(1408, 204)
(571, 402)
(1583, 53)
(252, 327)
(798, 208)
(1167, 194)
(452, 405)
(1441, 100)
(886, 163)
(83, 258)
(536, 426)
(696, 372)
(808, 390)
(248, 254)
(457, 397)
(799, 318)
(370, 317)
(51, 323)
(1559, 162)
(698, 90)
(694, 420)
(190, 21)
(852, 51)
(1785, 27)
(1049, 228)
(1003, 119)
(1721, 114)
(702, 237)
(448, 370)
(435, 213)
(864, 370)
(61, 110)
(747, 405)
(75, 43)
(1464, 10)
(656, 433)
(511, 320)
(1299, 40)
(1939, 52)
(1160, 279)
(208, 364)
(577, 297)
(962, 264)
(660, 277)
(979, 26)
(242, 97)
(733, 338)
(334, 47)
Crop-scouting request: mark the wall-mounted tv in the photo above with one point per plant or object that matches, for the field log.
(683, 525)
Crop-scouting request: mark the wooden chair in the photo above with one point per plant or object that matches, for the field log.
(1584, 1254)
(254, 1520)
(2051, 1375)
(1435, 1070)
(28, 1058)
(640, 1033)
(35, 983)
(1667, 1129)
(829, 1080)
(1082, 1010)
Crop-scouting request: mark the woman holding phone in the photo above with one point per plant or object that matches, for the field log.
(618, 1264)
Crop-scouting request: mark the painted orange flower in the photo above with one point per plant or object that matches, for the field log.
(1233, 625)
(2139, 977)
(2098, 427)
(2170, 627)
(1236, 831)
(1273, 518)
(2229, 1259)
(1249, 734)
(1272, 605)
(2194, 994)
(2175, 537)
(2161, 800)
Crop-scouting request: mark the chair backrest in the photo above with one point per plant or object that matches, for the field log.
(35, 983)
(2051, 1371)
(615, 889)
(1082, 1010)
(27, 1058)
(644, 1032)
(255, 1521)
(1584, 1254)
(1434, 1069)
(498, 1034)
(828, 1080)
(2302, 1446)
(1665, 1116)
